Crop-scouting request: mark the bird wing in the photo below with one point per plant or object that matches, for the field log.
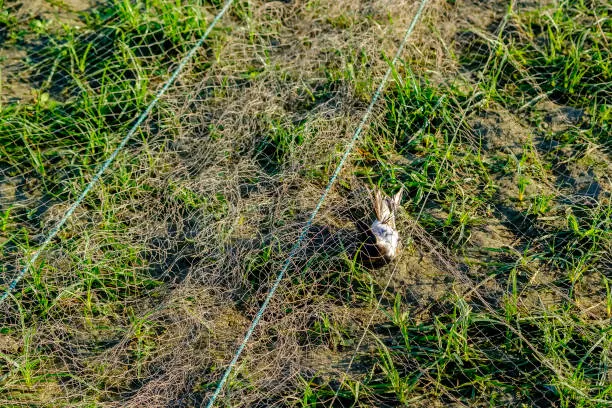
(383, 208)
(377, 203)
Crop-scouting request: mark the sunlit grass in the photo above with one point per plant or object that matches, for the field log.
(512, 211)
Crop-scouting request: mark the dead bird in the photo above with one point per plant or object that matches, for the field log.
(382, 241)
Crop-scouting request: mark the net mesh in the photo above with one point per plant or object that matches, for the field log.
(501, 295)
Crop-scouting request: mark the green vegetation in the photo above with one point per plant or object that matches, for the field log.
(497, 126)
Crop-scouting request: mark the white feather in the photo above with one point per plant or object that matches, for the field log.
(383, 229)
(387, 239)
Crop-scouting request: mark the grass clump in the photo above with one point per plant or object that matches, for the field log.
(496, 126)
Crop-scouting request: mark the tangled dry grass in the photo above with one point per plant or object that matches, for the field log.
(501, 296)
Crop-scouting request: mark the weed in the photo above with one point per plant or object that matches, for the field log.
(497, 126)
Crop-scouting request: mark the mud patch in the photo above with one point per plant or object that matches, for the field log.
(32, 20)
(500, 131)
(420, 281)
(492, 235)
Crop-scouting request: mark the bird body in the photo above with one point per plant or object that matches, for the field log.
(385, 238)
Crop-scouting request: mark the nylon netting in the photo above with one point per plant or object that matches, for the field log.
(145, 294)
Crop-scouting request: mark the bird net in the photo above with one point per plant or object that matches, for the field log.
(501, 294)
